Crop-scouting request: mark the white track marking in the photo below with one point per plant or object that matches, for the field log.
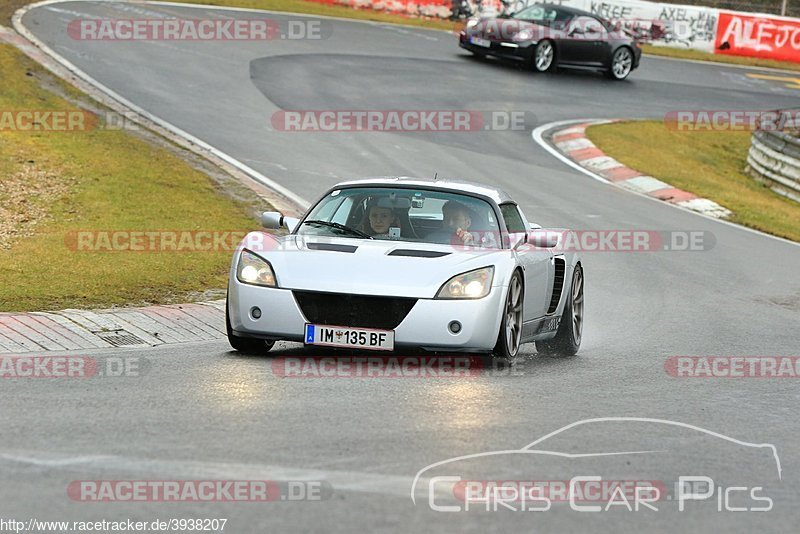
(354, 481)
(538, 138)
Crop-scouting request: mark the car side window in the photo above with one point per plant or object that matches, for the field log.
(585, 26)
(592, 26)
(608, 26)
(513, 219)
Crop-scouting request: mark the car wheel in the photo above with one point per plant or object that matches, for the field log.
(621, 64)
(568, 337)
(544, 56)
(510, 335)
(247, 345)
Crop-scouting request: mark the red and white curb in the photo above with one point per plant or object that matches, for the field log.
(574, 145)
(150, 326)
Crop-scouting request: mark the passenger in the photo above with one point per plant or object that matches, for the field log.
(457, 219)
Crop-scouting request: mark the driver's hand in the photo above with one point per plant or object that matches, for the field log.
(465, 236)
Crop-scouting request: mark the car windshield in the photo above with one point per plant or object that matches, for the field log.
(404, 214)
(544, 15)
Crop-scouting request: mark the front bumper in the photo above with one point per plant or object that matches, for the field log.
(426, 325)
(637, 57)
(503, 49)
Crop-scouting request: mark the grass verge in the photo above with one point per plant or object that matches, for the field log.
(55, 183)
(708, 164)
(680, 53)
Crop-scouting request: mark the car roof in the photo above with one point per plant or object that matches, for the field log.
(460, 186)
(566, 9)
(577, 12)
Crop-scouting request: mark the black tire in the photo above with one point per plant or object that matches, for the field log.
(247, 345)
(621, 64)
(570, 331)
(509, 337)
(544, 56)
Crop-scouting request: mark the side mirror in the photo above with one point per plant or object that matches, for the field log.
(274, 220)
(577, 30)
(543, 239)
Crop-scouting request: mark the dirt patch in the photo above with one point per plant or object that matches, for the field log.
(25, 196)
(9, 7)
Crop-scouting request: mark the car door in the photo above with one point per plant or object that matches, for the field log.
(598, 33)
(582, 42)
(536, 263)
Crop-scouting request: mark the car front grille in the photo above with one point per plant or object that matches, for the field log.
(363, 311)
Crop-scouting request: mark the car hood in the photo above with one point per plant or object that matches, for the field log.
(369, 267)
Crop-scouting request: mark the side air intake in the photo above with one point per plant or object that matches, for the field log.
(558, 284)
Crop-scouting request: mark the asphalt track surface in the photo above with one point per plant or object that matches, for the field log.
(204, 412)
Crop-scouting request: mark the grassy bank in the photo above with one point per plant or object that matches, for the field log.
(680, 53)
(54, 184)
(709, 164)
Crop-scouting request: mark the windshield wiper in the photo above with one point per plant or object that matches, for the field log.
(338, 226)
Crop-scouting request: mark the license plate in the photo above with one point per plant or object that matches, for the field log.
(342, 336)
(480, 42)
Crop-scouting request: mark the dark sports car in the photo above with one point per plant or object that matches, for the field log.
(548, 36)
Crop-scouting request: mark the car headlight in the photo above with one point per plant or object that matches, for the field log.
(523, 35)
(472, 22)
(255, 270)
(472, 285)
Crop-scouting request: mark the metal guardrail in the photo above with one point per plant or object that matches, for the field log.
(774, 158)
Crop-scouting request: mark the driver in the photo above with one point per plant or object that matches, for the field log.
(379, 220)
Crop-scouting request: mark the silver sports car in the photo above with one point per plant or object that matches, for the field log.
(385, 263)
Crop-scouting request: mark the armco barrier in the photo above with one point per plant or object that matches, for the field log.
(774, 158)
